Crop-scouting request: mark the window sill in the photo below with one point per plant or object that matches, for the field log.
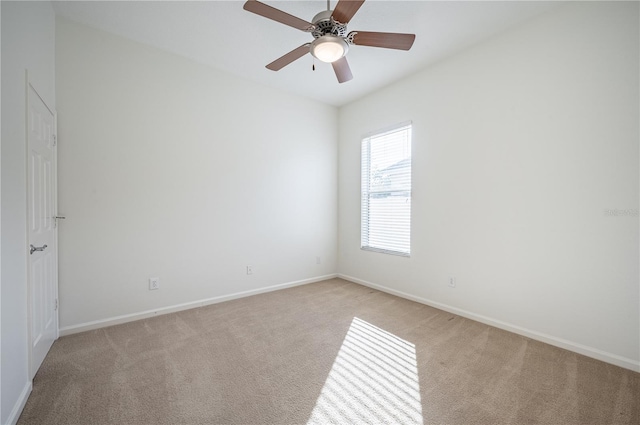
(385, 251)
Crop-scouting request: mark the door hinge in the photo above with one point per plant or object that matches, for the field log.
(55, 139)
(56, 218)
(56, 307)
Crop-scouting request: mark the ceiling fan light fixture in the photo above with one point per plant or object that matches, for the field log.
(329, 48)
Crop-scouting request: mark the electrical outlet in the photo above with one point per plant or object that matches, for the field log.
(318, 260)
(452, 282)
(154, 283)
(249, 270)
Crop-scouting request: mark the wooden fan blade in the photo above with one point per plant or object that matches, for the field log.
(277, 15)
(345, 9)
(388, 40)
(342, 70)
(285, 60)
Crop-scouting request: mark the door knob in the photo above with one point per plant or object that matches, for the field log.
(34, 249)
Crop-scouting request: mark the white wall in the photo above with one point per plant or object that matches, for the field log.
(520, 145)
(28, 32)
(171, 169)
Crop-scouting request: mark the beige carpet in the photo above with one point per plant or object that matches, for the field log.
(328, 352)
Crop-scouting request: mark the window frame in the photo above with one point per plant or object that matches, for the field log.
(366, 192)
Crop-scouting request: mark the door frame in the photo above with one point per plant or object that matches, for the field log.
(30, 85)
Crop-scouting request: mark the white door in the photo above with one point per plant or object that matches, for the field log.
(41, 188)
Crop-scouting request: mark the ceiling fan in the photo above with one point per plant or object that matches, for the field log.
(331, 40)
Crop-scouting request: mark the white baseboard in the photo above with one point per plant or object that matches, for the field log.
(20, 403)
(103, 323)
(551, 340)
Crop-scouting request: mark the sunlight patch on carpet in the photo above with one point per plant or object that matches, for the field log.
(374, 379)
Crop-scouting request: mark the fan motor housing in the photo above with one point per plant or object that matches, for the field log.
(325, 25)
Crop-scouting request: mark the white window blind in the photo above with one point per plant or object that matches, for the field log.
(386, 191)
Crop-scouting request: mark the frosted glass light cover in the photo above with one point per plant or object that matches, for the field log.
(329, 48)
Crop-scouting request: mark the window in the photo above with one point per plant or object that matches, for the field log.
(386, 191)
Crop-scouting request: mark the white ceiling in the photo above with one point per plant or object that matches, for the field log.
(223, 35)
